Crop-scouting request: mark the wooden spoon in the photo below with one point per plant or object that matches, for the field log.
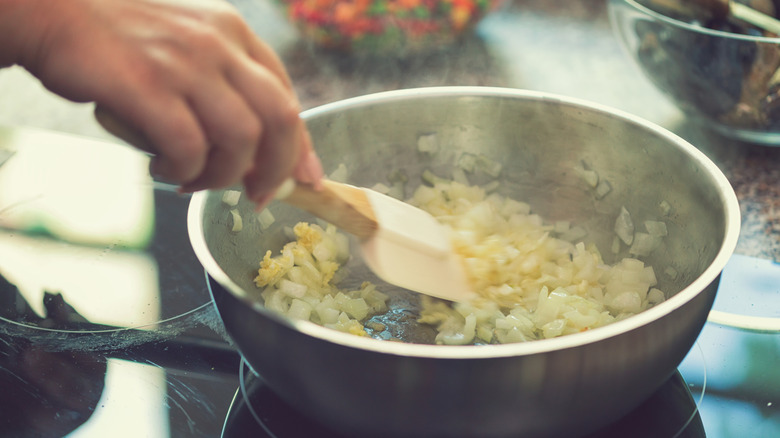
(401, 244)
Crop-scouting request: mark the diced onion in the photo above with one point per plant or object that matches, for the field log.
(231, 197)
(340, 174)
(265, 218)
(603, 188)
(573, 234)
(459, 175)
(238, 223)
(301, 282)
(381, 188)
(590, 176)
(624, 226)
(531, 284)
(428, 144)
(665, 208)
(467, 162)
(644, 244)
(491, 167)
(656, 228)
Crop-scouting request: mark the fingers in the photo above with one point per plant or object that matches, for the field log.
(283, 131)
(233, 131)
(213, 117)
(309, 168)
(264, 55)
(166, 128)
(180, 142)
(111, 123)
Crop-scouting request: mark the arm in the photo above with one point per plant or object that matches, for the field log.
(211, 101)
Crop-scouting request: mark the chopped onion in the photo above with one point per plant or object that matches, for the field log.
(531, 284)
(431, 178)
(265, 218)
(655, 296)
(295, 290)
(238, 223)
(624, 227)
(656, 228)
(644, 244)
(467, 162)
(428, 143)
(397, 191)
(231, 197)
(340, 174)
(615, 245)
(573, 234)
(398, 178)
(513, 260)
(603, 189)
(300, 309)
(459, 175)
(491, 167)
(665, 208)
(591, 177)
(561, 227)
(300, 282)
(381, 188)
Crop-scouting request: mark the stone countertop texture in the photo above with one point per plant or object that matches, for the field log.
(559, 46)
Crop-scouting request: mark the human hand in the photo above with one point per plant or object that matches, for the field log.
(205, 95)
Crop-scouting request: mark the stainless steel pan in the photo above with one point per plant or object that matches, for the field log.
(560, 387)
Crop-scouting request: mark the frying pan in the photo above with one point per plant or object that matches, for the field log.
(566, 386)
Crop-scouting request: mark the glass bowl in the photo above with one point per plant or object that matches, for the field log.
(729, 81)
(385, 26)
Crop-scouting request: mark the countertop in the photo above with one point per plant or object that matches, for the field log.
(559, 46)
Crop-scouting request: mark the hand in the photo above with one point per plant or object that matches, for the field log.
(207, 97)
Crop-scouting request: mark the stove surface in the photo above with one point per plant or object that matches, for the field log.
(256, 411)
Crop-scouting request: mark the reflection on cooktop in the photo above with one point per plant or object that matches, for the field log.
(51, 285)
(96, 384)
(256, 411)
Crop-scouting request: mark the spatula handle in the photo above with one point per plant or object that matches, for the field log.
(342, 205)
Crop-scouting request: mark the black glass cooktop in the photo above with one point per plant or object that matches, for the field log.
(256, 411)
(109, 331)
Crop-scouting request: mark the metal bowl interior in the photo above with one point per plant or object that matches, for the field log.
(539, 139)
(720, 78)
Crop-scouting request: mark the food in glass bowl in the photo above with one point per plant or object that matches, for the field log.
(384, 26)
(724, 73)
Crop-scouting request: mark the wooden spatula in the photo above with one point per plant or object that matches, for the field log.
(403, 245)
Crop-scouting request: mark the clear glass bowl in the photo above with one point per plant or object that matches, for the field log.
(729, 81)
